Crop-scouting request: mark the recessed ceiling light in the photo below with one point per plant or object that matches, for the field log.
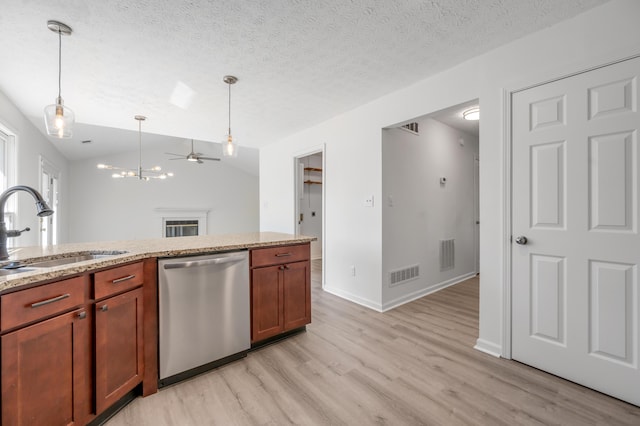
(472, 114)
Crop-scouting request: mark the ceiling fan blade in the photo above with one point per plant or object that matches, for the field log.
(171, 153)
(208, 158)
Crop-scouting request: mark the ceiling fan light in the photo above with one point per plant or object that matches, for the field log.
(472, 114)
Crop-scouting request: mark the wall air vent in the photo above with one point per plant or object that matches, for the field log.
(447, 254)
(411, 128)
(400, 276)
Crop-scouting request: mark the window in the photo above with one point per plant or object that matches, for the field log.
(49, 189)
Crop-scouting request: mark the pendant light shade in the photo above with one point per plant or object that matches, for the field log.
(58, 118)
(229, 143)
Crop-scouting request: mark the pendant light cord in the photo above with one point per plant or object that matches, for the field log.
(229, 84)
(59, 62)
(139, 149)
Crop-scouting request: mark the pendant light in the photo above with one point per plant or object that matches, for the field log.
(140, 173)
(58, 118)
(229, 144)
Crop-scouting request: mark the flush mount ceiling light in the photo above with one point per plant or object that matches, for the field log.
(229, 144)
(58, 118)
(472, 114)
(140, 173)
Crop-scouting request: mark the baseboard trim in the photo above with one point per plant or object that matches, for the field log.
(425, 291)
(353, 298)
(488, 348)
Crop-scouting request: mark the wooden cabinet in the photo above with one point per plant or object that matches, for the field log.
(72, 348)
(46, 366)
(280, 290)
(119, 346)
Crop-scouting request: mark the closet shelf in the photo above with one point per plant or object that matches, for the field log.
(313, 182)
(312, 169)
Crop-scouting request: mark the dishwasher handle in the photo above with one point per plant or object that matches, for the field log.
(205, 262)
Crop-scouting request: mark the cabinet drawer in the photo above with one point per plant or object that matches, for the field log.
(118, 279)
(35, 303)
(280, 254)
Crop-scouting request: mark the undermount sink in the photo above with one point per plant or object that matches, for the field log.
(15, 268)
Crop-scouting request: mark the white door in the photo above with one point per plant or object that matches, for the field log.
(575, 199)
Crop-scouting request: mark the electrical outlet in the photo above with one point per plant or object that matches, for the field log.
(353, 270)
(368, 201)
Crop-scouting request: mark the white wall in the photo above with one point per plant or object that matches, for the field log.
(418, 211)
(105, 209)
(353, 163)
(311, 203)
(30, 145)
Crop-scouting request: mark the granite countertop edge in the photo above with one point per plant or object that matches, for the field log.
(134, 250)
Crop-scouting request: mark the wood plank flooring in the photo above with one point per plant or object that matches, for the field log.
(414, 365)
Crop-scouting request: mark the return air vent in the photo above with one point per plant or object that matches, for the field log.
(403, 275)
(411, 128)
(447, 254)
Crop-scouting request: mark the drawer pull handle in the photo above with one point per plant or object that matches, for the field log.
(104, 308)
(127, 278)
(52, 300)
(283, 254)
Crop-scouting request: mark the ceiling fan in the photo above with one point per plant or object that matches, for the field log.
(193, 156)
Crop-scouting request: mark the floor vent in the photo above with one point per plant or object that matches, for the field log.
(400, 276)
(447, 254)
(411, 127)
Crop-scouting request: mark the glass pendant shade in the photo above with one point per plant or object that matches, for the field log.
(230, 146)
(59, 120)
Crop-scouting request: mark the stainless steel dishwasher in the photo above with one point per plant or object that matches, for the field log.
(204, 313)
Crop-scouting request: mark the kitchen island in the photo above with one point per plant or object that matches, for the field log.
(80, 340)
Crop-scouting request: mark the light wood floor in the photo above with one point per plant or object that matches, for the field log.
(414, 365)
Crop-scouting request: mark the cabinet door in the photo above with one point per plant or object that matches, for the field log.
(266, 303)
(44, 368)
(297, 295)
(119, 354)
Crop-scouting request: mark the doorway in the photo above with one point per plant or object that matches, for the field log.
(310, 199)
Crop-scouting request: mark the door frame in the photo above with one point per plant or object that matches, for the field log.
(317, 149)
(507, 115)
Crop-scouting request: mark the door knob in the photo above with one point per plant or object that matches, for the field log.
(522, 240)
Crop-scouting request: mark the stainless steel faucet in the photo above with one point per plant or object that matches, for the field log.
(41, 206)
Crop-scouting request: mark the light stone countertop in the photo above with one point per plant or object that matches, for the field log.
(135, 250)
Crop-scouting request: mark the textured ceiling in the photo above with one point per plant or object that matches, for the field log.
(298, 62)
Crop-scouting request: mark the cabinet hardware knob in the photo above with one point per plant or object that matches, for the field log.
(82, 315)
(104, 308)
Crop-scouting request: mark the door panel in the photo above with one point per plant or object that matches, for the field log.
(575, 197)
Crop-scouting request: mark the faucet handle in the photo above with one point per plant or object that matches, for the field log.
(16, 233)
